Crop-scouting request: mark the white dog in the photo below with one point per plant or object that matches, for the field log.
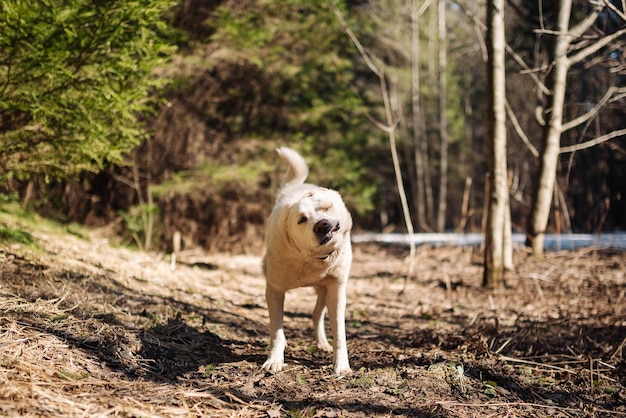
(308, 244)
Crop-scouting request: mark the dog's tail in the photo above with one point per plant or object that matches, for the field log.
(298, 168)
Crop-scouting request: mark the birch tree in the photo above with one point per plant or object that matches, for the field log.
(443, 120)
(498, 248)
(421, 145)
(565, 53)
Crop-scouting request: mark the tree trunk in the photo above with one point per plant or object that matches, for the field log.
(542, 196)
(418, 139)
(498, 248)
(443, 121)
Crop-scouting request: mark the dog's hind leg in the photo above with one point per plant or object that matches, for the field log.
(318, 319)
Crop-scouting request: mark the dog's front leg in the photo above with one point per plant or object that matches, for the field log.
(336, 305)
(275, 306)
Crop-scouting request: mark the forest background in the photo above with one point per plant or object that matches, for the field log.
(156, 117)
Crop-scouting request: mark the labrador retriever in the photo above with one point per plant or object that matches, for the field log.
(307, 244)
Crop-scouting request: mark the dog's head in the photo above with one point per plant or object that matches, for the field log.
(319, 222)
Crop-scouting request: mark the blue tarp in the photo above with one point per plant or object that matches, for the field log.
(552, 242)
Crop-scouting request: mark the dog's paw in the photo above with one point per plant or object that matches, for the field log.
(324, 346)
(272, 365)
(343, 369)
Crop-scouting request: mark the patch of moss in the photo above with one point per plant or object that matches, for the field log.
(15, 236)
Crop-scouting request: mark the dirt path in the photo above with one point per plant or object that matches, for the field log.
(89, 330)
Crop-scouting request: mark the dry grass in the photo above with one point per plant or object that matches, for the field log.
(45, 374)
(88, 330)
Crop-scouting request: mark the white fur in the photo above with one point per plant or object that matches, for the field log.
(308, 244)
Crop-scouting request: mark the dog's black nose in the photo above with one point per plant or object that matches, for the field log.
(324, 227)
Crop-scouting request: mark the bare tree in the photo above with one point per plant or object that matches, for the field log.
(576, 45)
(443, 120)
(390, 128)
(561, 62)
(423, 199)
(498, 247)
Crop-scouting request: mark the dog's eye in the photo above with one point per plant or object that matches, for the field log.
(302, 219)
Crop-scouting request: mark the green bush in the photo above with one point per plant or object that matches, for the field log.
(74, 77)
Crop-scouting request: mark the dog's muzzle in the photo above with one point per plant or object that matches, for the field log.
(324, 230)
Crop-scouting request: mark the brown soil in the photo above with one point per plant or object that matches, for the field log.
(89, 330)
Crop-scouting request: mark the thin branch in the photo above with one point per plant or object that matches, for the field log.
(390, 129)
(481, 43)
(593, 111)
(545, 90)
(548, 32)
(519, 60)
(424, 7)
(595, 47)
(593, 142)
(615, 10)
(618, 97)
(380, 125)
(582, 27)
(355, 41)
(519, 130)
